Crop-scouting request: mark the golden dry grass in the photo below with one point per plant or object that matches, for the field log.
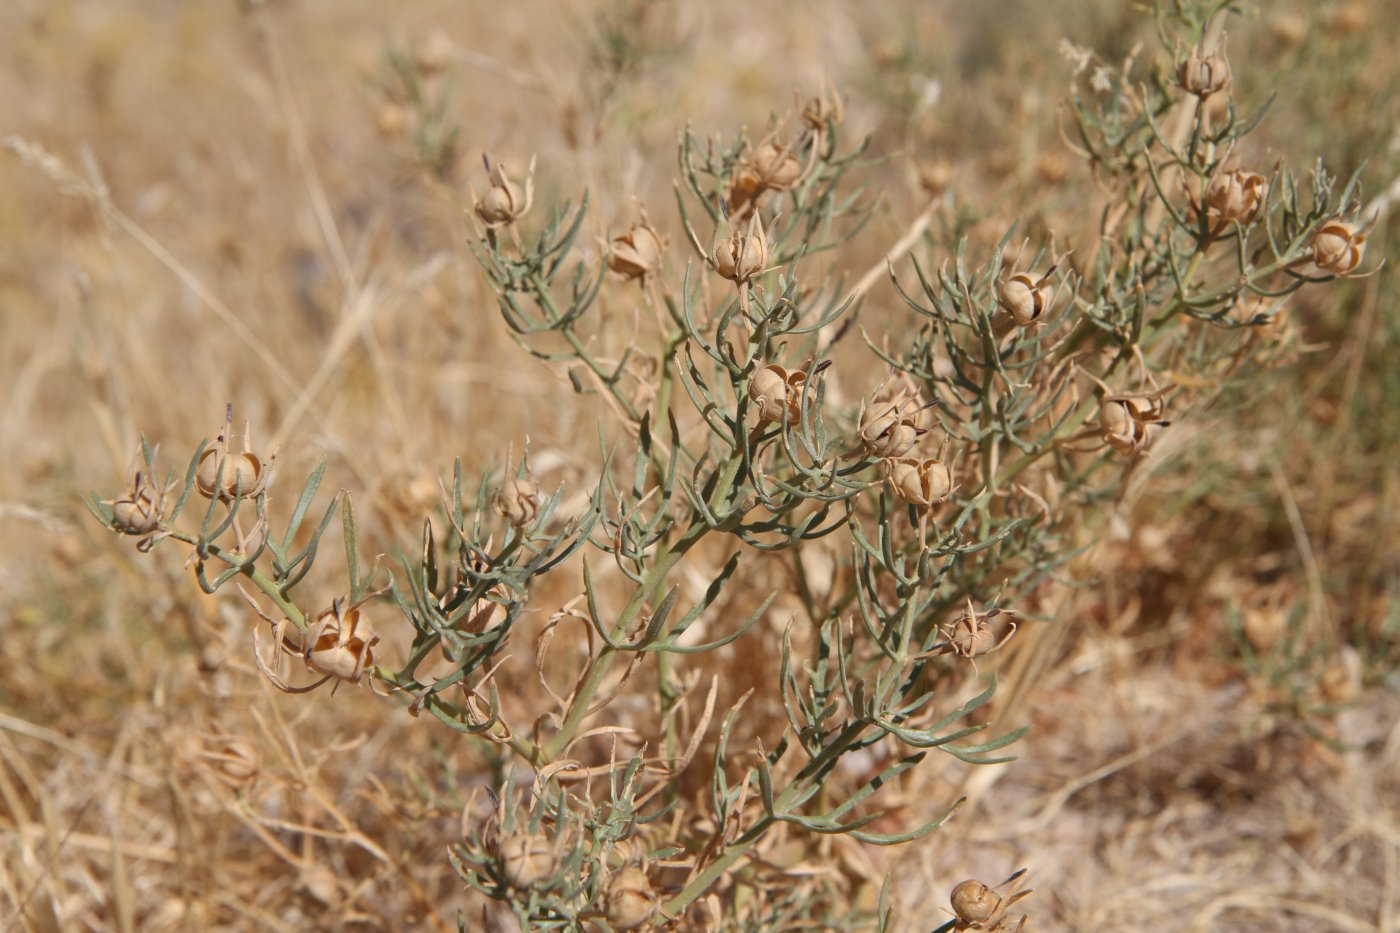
(238, 217)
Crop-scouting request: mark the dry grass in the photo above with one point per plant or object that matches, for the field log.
(238, 216)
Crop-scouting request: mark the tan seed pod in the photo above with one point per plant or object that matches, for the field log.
(825, 109)
(741, 256)
(236, 476)
(777, 394)
(505, 201)
(1289, 29)
(228, 475)
(979, 907)
(935, 175)
(1204, 75)
(971, 635)
(973, 901)
(139, 511)
(920, 482)
(1263, 626)
(1231, 197)
(235, 761)
(518, 500)
(1128, 423)
(776, 168)
(436, 55)
(636, 254)
(525, 859)
(1338, 247)
(341, 643)
(1025, 297)
(893, 420)
(630, 901)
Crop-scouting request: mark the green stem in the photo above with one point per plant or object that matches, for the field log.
(269, 587)
(656, 576)
(815, 770)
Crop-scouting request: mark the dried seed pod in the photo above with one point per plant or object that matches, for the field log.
(893, 421)
(823, 110)
(1204, 75)
(234, 761)
(973, 901)
(934, 176)
(741, 256)
(139, 511)
(630, 900)
(525, 859)
(1117, 427)
(227, 475)
(979, 907)
(505, 201)
(774, 167)
(341, 643)
(636, 254)
(1128, 423)
(1263, 626)
(518, 500)
(778, 394)
(234, 476)
(970, 635)
(1338, 247)
(436, 55)
(1025, 297)
(920, 482)
(771, 166)
(1231, 197)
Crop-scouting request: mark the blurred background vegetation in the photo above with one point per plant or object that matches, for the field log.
(264, 203)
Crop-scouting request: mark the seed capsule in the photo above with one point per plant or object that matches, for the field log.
(1026, 298)
(973, 901)
(922, 483)
(742, 256)
(139, 512)
(1231, 197)
(777, 394)
(893, 421)
(1204, 75)
(1338, 247)
(505, 201)
(637, 253)
(231, 476)
(1128, 423)
(518, 500)
(341, 643)
(630, 900)
(227, 475)
(235, 761)
(824, 109)
(525, 858)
